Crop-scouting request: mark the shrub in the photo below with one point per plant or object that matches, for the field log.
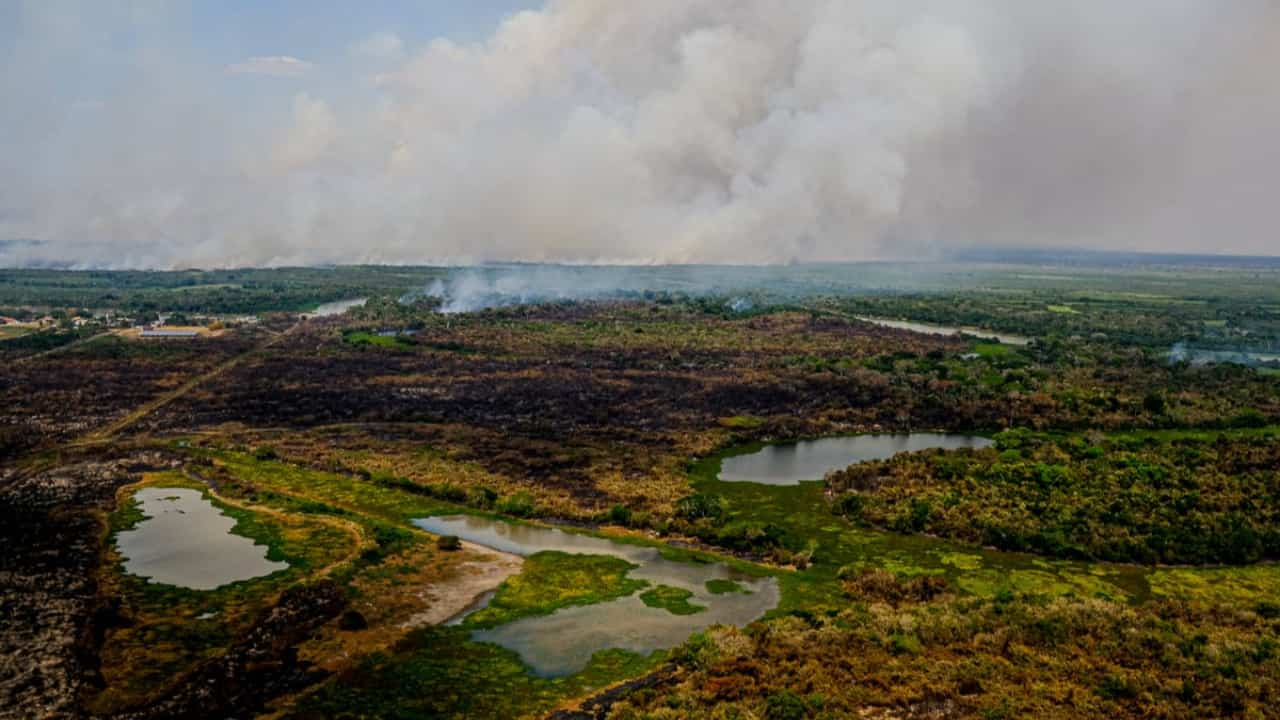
(449, 542)
(519, 505)
(449, 493)
(483, 497)
(785, 705)
(1154, 403)
(701, 506)
(848, 505)
(620, 515)
(352, 621)
(1114, 687)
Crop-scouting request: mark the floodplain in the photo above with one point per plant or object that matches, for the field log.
(737, 501)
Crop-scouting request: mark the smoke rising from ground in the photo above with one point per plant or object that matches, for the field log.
(666, 131)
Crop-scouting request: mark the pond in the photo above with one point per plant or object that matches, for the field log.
(563, 642)
(929, 329)
(337, 307)
(187, 542)
(793, 463)
(1200, 356)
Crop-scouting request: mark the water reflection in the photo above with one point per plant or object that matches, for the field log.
(562, 643)
(811, 459)
(186, 541)
(930, 329)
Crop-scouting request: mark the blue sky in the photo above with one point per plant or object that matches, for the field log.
(319, 29)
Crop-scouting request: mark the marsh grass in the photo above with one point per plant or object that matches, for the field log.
(552, 580)
(672, 599)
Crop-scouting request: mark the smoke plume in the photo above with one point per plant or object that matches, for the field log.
(663, 131)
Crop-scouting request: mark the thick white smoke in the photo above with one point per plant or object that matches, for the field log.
(674, 131)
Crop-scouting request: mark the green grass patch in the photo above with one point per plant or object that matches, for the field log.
(991, 350)
(720, 586)
(1232, 587)
(345, 492)
(672, 599)
(368, 339)
(993, 583)
(552, 580)
(742, 422)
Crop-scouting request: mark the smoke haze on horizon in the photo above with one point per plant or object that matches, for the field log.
(668, 131)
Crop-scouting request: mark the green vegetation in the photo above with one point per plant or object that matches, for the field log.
(328, 442)
(361, 338)
(719, 586)
(1183, 498)
(1149, 307)
(438, 673)
(165, 630)
(238, 291)
(1005, 657)
(672, 599)
(552, 580)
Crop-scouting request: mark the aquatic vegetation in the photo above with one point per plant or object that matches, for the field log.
(672, 599)
(1218, 587)
(720, 586)
(438, 672)
(552, 580)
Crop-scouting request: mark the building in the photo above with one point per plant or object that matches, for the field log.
(162, 333)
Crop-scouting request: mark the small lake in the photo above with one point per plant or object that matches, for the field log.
(186, 541)
(562, 643)
(337, 307)
(1198, 356)
(929, 329)
(793, 463)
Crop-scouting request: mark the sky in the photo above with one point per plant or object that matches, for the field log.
(216, 133)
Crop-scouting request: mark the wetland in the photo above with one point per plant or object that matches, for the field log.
(792, 463)
(186, 542)
(587, 503)
(564, 641)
